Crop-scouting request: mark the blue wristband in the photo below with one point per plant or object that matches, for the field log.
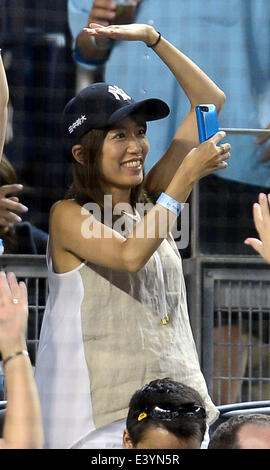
(169, 203)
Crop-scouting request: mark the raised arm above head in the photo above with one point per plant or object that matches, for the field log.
(198, 87)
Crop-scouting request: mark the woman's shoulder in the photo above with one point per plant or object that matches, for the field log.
(63, 206)
(62, 211)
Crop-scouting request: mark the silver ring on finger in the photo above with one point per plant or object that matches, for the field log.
(15, 301)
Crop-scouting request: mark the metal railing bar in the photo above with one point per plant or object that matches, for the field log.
(245, 131)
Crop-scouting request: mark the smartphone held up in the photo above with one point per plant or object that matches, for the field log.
(207, 121)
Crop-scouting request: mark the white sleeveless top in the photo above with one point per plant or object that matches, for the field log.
(102, 339)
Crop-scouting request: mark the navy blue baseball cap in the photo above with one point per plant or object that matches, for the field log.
(100, 105)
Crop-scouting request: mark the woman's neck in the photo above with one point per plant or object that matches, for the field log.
(120, 196)
(121, 201)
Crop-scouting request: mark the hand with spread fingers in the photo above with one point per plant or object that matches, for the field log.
(261, 217)
(19, 236)
(9, 205)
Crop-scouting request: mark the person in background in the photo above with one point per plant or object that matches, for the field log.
(18, 237)
(7, 204)
(116, 315)
(248, 431)
(23, 423)
(165, 414)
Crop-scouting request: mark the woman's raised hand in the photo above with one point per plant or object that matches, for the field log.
(129, 32)
(13, 311)
(261, 217)
(207, 157)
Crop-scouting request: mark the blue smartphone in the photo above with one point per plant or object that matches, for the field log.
(207, 121)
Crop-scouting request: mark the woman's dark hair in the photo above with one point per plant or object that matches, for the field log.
(7, 172)
(166, 394)
(86, 186)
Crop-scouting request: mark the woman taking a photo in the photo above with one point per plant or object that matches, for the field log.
(116, 316)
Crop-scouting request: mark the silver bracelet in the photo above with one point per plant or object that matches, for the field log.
(24, 352)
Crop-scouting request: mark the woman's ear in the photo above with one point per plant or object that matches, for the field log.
(127, 443)
(77, 152)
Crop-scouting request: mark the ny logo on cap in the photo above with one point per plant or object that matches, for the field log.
(118, 93)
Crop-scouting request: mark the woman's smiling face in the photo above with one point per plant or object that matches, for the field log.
(123, 155)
